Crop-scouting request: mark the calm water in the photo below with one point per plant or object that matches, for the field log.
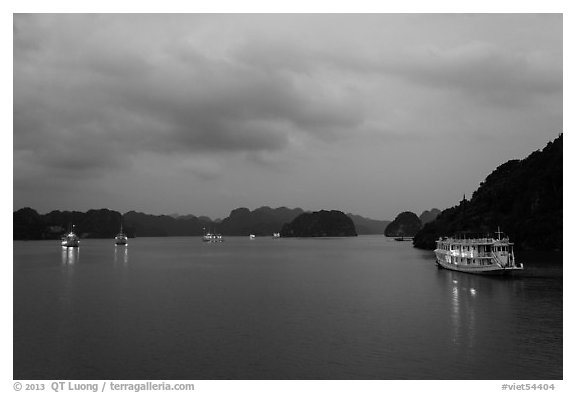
(357, 308)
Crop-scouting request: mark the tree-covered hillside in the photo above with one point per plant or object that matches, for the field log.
(522, 197)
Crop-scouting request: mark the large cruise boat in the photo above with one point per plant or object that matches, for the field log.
(486, 255)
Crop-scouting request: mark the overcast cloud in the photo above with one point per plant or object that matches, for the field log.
(370, 114)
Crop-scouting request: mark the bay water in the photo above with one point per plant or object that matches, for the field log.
(341, 308)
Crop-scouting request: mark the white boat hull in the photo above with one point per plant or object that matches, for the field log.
(476, 269)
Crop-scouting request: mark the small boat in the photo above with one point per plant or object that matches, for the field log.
(70, 239)
(404, 238)
(486, 255)
(121, 239)
(212, 237)
(252, 236)
(276, 235)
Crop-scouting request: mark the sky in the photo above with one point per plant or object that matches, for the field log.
(372, 114)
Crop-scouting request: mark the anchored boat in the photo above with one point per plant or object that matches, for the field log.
(485, 255)
(121, 239)
(70, 239)
(212, 237)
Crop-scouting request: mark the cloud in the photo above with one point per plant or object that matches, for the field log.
(113, 102)
(483, 71)
(94, 83)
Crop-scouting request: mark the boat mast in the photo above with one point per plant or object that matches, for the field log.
(499, 233)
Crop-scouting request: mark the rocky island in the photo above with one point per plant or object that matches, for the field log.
(406, 224)
(322, 223)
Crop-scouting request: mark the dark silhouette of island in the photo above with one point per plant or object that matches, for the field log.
(104, 223)
(263, 221)
(522, 197)
(29, 225)
(322, 223)
(101, 223)
(406, 224)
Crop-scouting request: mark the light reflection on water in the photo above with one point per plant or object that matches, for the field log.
(463, 313)
(121, 254)
(70, 255)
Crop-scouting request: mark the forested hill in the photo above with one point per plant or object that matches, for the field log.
(522, 197)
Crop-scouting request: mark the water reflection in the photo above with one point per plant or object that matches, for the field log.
(474, 299)
(465, 294)
(121, 255)
(70, 255)
(70, 258)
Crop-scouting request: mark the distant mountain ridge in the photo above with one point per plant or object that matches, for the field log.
(368, 226)
(429, 215)
(144, 225)
(522, 197)
(263, 221)
(104, 223)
